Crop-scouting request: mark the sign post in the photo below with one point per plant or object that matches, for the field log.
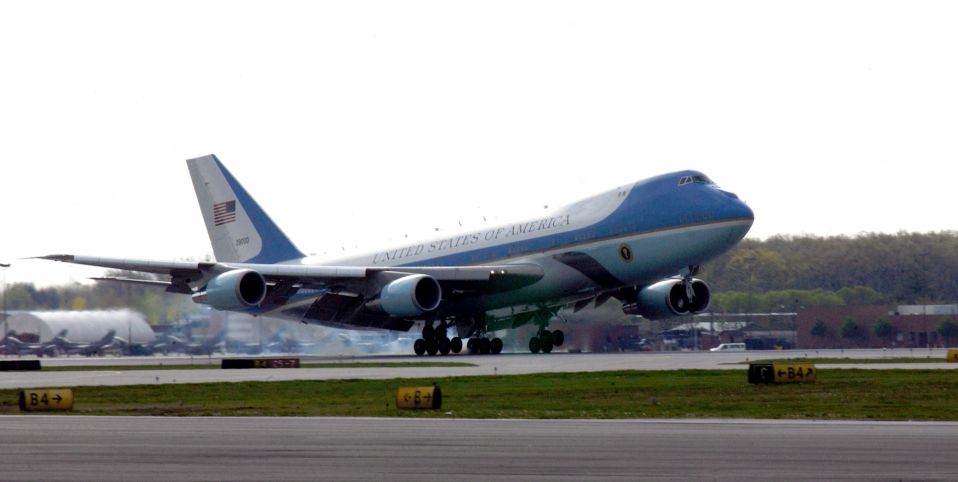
(782, 372)
(428, 398)
(46, 399)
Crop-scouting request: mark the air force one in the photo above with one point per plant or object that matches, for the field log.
(641, 244)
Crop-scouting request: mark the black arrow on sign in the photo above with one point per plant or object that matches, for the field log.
(57, 398)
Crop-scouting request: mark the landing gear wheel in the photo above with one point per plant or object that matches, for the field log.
(545, 337)
(419, 347)
(455, 345)
(428, 332)
(535, 344)
(444, 346)
(432, 346)
(547, 346)
(484, 346)
(496, 346)
(473, 346)
(558, 338)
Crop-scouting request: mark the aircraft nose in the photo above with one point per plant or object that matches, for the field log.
(746, 212)
(737, 208)
(734, 209)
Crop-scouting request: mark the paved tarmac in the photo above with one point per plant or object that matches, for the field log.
(70, 448)
(508, 364)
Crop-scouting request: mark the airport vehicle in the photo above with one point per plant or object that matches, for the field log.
(641, 243)
(729, 347)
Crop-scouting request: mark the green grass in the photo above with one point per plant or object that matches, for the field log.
(216, 366)
(838, 394)
(857, 361)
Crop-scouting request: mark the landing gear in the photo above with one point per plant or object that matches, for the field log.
(434, 341)
(432, 346)
(545, 340)
(484, 346)
(419, 347)
(495, 346)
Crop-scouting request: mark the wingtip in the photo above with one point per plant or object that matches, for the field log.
(67, 258)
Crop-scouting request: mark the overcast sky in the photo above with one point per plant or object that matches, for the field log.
(356, 123)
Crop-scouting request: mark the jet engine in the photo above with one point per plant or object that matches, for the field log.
(232, 290)
(674, 297)
(411, 295)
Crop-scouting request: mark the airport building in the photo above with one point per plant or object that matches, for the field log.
(80, 326)
(911, 326)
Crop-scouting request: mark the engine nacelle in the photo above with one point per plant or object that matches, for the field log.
(233, 290)
(668, 299)
(410, 295)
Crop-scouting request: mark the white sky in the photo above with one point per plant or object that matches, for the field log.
(354, 123)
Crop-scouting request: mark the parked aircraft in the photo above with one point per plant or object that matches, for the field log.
(283, 342)
(109, 342)
(641, 243)
(162, 343)
(12, 345)
(204, 346)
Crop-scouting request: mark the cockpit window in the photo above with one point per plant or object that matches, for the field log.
(699, 179)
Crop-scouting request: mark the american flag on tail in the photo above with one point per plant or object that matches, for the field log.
(224, 212)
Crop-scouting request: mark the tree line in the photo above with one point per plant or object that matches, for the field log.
(787, 272)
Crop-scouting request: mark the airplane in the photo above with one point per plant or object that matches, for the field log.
(641, 243)
(282, 342)
(205, 346)
(12, 345)
(109, 342)
(162, 343)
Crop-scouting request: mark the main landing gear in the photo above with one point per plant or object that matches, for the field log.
(545, 340)
(435, 342)
(484, 346)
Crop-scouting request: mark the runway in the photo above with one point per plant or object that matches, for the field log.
(72, 448)
(212, 448)
(510, 364)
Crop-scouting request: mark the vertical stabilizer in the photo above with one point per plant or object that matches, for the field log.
(240, 231)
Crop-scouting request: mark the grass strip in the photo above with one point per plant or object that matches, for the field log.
(844, 361)
(838, 394)
(216, 366)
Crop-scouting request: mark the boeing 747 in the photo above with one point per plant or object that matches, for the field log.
(641, 243)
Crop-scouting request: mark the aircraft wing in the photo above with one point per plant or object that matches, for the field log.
(187, 275)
